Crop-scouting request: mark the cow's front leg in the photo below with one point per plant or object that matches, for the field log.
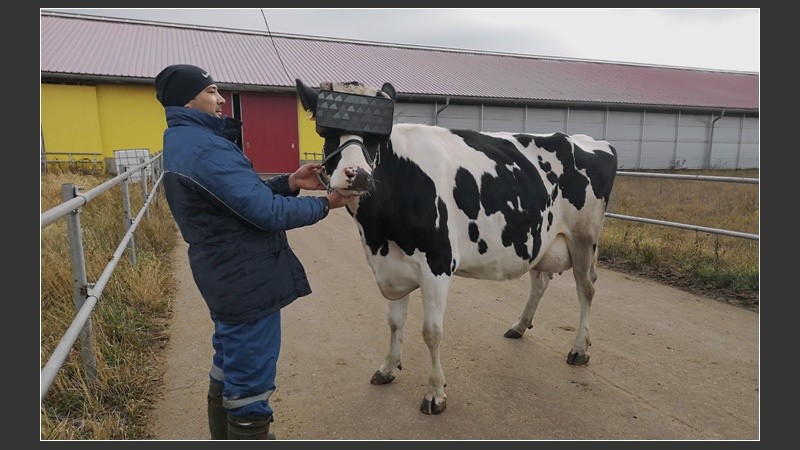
(434, 300)
(398, 310)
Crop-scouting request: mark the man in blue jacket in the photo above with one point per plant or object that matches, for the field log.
(234, 223)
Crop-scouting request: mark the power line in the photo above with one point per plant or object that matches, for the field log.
(291, 81)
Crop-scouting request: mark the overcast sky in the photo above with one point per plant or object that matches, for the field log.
(723, 39)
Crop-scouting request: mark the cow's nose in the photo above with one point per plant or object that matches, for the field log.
(358, 178)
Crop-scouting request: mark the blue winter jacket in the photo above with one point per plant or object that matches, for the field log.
(233, 221)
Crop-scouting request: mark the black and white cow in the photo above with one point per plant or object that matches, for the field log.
(436, 203)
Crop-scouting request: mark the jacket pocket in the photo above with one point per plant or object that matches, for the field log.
(240, 280)
(267, 268)
(301, 286)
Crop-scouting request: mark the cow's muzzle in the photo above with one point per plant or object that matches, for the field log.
(358, 178)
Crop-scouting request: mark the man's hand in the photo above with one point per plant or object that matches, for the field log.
(306, 177)
(337, 200)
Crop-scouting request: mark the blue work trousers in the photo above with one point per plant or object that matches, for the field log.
(245, 360)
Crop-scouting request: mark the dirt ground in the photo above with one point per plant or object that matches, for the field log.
(665, 364)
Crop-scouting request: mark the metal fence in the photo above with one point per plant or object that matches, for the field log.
(85, 294)
(312, 157)
(683, 225)
(84, 161)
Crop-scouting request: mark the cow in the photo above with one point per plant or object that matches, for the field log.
(433, 203)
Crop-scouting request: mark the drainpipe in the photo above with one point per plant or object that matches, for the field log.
(711, 140)
(446, 104)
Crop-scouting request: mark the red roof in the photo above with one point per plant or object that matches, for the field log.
(103, 47)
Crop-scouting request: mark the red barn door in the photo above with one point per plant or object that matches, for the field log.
(269, 133)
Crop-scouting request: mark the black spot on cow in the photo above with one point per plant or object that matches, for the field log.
(473, 232)
(468, 198)
(474, 236)
(524, 139)
(414, 217)
(517, 192)
(548, 170)
(572, 183)
(601, 167)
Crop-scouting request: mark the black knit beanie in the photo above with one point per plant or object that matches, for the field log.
(178, 84)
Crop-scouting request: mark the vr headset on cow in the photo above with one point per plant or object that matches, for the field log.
(339, 112)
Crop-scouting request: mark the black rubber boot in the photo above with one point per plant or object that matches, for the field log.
(249, 427)
(217, 417)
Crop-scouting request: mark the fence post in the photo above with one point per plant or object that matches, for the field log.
(157, 170)
(80, 287)
(144, 184)
(126, 205)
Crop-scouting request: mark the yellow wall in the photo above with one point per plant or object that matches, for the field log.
(101, 119)
(310, 141)
(70, 119)
(130, 117)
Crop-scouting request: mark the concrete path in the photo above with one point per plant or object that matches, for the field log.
(665, 365)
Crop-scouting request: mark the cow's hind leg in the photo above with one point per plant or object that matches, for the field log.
(584, 271)
(539, 282)
(398, 310)
(434, 300)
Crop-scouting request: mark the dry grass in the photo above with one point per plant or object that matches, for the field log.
(128, 322)
(723, 267)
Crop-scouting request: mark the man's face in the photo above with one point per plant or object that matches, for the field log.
(208, 100)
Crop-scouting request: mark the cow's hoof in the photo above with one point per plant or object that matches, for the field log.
(431, 407)
(378, 378)
(577, 359)
(512, 334)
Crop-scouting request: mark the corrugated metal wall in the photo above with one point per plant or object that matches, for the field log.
(131, 117)
(100, 119)
(70, 119)
(644, 140)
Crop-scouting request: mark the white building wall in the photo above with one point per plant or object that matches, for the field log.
(500, 118)
(588, 122)
(643, 139)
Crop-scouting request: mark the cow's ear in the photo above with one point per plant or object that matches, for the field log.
(308, 97)
(389, 90)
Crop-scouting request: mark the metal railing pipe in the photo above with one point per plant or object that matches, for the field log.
(685, 226)
(55, 213)
(677, 176)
